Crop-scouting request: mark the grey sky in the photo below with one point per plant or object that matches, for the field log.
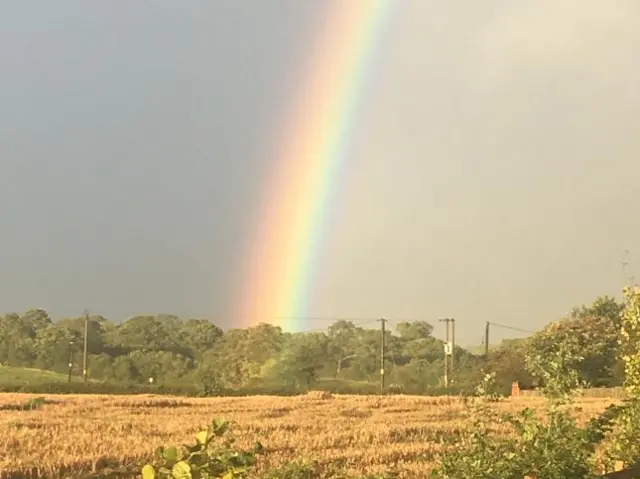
(492, 177)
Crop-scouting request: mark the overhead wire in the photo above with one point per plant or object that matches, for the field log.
(359, 321)
(513, 328)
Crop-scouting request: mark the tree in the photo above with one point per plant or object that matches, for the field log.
(590, 335)
(343, 341)
(410, 331)
(302, 357)
(52, 347)
(35, 320)
(162, 366)
(199, 335)
(96, 329)
(150, 332)
(365, 365)
(17, 348)
(507, 361)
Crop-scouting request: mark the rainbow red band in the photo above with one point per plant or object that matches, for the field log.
(278, 279)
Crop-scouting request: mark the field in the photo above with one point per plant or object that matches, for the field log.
(16, 376)
(71, 436)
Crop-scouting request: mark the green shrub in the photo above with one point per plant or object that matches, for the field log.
(212, 456)
(551, 448)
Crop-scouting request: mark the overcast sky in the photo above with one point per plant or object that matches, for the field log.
(493, 174)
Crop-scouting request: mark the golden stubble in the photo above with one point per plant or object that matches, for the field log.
(79, 434)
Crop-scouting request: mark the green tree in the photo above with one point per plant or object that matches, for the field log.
(303, 355)
(199, 335)
(35, 320)
(410, 331)
(343, 342)
(52, 347)
(96, 328)
(150, 332)
(507, 361)
(17, 348)
(590, 334)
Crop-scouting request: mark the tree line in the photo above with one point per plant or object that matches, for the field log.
(196, 352)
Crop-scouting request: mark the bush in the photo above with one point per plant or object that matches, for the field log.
(211, 456)
(551, 448)
(554, 447)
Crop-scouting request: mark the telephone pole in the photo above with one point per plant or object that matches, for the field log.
(382, 334)
(71, 344)
(486, 339)
(86, 342)
(453, 345)
(446, 352)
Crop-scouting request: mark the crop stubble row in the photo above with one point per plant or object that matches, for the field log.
(365, 434)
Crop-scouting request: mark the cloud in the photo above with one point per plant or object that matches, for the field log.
(538, 37)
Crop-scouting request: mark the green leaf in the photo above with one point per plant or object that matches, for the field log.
(171, 454)
(220, 428)
(202, 437)
(194, 448)
(181, 470)
(148, 472)
(197, 459)
(159, 453)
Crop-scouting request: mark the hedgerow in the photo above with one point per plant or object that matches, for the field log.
(552, 445)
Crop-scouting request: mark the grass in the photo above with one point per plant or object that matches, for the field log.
(19, 376)
(78, 435)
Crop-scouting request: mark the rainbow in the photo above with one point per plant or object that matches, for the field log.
(311, 156)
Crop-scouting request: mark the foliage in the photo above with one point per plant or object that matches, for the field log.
(199, 356)
(212, 456)
(622, 441)
(590, 335)
(551, 446)
(506, 361)
(196, 355)
(554, 446)
(630, 341)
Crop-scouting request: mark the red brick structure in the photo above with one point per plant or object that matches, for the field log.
(515, 389)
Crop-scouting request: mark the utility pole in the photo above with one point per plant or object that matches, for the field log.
(453, 345)
(71, 343)
(446, 352)
(382, 334)
(86, 339)
(486, 339)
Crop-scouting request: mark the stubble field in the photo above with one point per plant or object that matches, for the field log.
(75, 435)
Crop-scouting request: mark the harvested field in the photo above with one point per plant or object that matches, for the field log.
(76, 435)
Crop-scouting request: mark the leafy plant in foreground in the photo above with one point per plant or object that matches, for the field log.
(212, 456)
(550, 448)
(622, 435)
(554, 447)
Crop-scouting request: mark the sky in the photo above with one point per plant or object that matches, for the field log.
(492, 173)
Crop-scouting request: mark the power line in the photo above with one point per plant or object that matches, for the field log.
(320, 330)
(324, 318)
(513, 328)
